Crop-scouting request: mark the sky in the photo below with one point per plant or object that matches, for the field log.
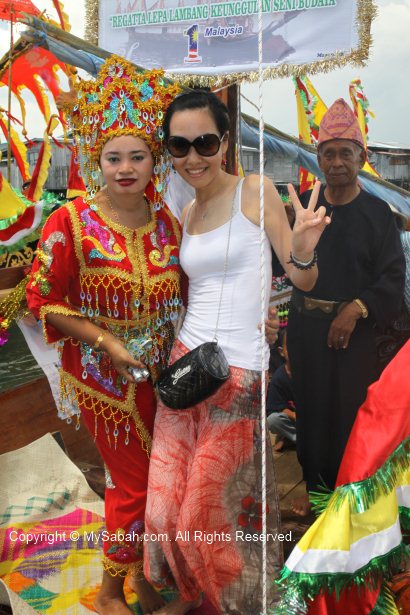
(385, 78)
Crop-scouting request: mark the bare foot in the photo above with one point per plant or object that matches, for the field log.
(283, 444)
(150, 600)
(106, 605)
(279, 445)
(110, 600)
(302, 506)
(178, 606)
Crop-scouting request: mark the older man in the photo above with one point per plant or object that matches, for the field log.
(331, 339)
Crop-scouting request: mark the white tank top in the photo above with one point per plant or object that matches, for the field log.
(203, 258)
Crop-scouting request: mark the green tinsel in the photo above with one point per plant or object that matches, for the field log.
(301, 92)
(290, 604)
(21, 244)
(320, 499)
(303, 96)
(285, 199)
(404, 518)
(363, 494)
(300, 588)
(49, 201)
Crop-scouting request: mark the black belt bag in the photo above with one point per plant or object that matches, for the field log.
(194, 377)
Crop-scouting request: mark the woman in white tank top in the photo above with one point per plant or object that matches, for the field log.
(204, 489)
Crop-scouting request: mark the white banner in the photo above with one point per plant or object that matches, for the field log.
(211, 37)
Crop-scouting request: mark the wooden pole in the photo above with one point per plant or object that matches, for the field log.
(229, 96)
(9, 97)
(65, 37)
(234, 141)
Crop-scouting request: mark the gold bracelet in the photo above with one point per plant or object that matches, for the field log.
(98, 341)
(365, 311)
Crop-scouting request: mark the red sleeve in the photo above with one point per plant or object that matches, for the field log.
(55, 270)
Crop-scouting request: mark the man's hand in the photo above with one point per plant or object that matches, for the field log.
(343, 326)
(271, 326)
(64, 99)
(290, 413)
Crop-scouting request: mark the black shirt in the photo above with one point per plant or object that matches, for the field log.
(360, 256)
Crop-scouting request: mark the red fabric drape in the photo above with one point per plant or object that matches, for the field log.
(352, 601)
(12, 9)
(382, 423)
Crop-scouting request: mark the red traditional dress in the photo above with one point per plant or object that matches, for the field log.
(128, 282)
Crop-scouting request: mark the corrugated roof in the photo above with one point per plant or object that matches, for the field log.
(385, 145)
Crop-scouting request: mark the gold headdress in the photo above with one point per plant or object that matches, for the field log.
(120, 101)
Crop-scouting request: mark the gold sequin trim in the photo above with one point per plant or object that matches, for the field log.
(121, 570)
(140, 289)
(106, 407)
(56, 309)
(135, 242)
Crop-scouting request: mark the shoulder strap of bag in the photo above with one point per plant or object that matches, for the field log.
(226, 262)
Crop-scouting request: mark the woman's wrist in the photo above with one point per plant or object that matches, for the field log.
(99, 341)
(305, 263)
(106, 341)
(303, 257)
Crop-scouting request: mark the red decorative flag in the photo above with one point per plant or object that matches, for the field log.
(27, 68)
(40, 172)
(18, 148)
(62, 16)
(10, 10)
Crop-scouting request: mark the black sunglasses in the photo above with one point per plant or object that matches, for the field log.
(204, 145)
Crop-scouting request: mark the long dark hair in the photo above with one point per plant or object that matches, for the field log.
(199, 99)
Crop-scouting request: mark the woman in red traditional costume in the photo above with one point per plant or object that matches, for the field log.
(106, 285)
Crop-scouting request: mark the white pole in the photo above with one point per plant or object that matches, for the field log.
(263, 295)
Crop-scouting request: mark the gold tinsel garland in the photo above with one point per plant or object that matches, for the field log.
(13, 306)
(91, 21)
(366, 12)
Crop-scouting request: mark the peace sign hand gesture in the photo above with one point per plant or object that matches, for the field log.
(309, 224)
